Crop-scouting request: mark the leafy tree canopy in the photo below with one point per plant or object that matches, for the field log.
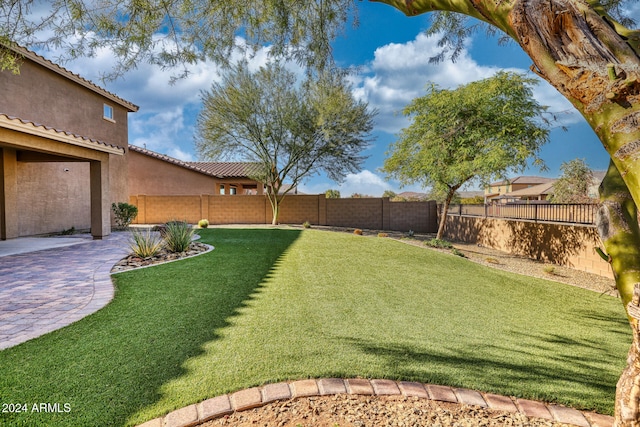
(574, 184)
(332, 194)
(292, 129)
(175, 33)
(478, 131)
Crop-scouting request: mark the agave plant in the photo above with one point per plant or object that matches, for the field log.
(145, 243)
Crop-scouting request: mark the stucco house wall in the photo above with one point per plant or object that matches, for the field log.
(155, 177)
(154, 174)
(53, 193)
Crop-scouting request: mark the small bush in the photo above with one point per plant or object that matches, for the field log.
(410, 233)
(145, 243)
(357, 231)
(383, 234)
(124, 214)
(439, 243)
(457, 252)
(549, 269)
(492, 260)
(68, 232)
(177, 236)
(306, 224)
(203, 223)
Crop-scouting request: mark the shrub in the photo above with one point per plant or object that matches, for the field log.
(357, 231)
(68, 232)
(145, 243)
(383, 234)
(457, 252)
(306, 224)
(439, 243)
(203, 223)
(124, 213)
(177, 236)
(492, 260)
(549, 269)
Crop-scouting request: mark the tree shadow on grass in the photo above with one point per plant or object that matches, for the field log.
(578, 372)
(113, 364)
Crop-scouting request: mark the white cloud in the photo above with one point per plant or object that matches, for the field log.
(400, 72)
(364, 182)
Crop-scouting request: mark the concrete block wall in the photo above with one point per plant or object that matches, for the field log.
(298, 209)
(561, 244)
(359, 213)
(369, 213)
(229, 209)
(404, 216)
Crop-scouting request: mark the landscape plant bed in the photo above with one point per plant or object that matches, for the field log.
(374, 411)
(133, 261)
(270, 305)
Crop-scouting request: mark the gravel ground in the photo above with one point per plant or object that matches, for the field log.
(373, 411)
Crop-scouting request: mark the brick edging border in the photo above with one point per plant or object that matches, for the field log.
(259, 396)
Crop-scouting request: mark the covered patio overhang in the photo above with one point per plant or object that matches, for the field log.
(23, 141)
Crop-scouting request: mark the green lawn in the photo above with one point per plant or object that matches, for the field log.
(278, 304)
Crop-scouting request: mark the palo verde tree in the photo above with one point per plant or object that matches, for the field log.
(586, 49)
(479, 131)
(290, 129)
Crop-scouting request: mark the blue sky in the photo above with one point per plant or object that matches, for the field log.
(393, 55)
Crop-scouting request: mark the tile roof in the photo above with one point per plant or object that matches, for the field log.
(214, 169)
(25, 53)
(524, 180)
(536, 190)
(32, 128)
(172, 160)
(229, 169)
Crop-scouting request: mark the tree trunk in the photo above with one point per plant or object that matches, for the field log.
(628, 387)
(275, 206)
(595, 63)
(443, 214)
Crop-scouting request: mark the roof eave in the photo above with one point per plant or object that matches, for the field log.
(34, 129)
(40, 60)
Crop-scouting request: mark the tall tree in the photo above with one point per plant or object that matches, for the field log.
(291, 129)
(586, 50)
(479, 131)
(574, 184)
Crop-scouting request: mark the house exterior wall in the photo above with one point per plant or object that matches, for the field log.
(42, 96)
(568, 245)
(155, 177)
(66, 205)
(371, 213)
(152, 176)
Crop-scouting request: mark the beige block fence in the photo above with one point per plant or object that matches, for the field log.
(561, 244)
(365, 213)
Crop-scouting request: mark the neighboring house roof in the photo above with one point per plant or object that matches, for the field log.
(71, 76)
(36, 129)
(172, 160)
(536, 190)
(219, 170)
(524, 180)
(229, 169)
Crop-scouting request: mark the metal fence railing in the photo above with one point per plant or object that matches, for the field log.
(566, 213)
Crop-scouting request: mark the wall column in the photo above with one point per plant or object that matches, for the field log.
(100, 207)
(8, 194)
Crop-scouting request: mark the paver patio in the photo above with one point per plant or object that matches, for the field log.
(45, 290)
